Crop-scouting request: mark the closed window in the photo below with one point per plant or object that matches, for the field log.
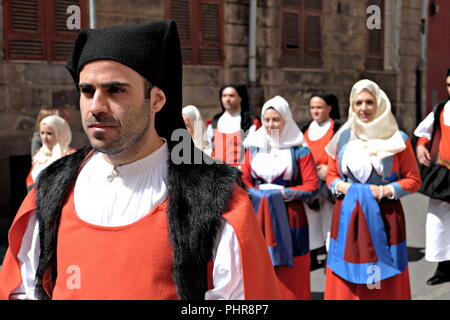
(301, 28)
(200, 25)
(37, 29)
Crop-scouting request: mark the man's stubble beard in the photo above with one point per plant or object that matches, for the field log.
(125, 143)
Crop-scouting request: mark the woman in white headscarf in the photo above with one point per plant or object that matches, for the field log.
(196, 128)
(371, 165)
(56, 136)
(280, 173)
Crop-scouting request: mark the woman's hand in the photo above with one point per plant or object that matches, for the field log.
(380, 192)
(343, 187)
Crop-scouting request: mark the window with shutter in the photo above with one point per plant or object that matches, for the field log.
(375, 41)
(200, 25)
(301, 28)
(37, 29)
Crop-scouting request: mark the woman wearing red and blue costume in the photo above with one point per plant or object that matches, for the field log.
(280, 173)
(371, 166)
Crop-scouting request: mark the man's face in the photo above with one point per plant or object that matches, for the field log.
(114, 114)
(320, 111)
(448, 85)
(231, 100)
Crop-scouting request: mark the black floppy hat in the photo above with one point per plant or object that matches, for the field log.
(152, 50)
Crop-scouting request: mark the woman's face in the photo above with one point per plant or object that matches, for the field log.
(365, 106)
(48, 137)
(188, 124)
(273, 121)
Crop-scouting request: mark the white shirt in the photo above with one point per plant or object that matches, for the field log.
(360, 162)
(316, 131)
(425, 128)
(271, 165)
(128, 197)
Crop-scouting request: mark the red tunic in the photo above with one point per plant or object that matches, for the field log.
(444, 143)
(133, 261)
(317, 147)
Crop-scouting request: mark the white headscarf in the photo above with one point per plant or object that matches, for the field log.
(290, 136)
(381, 135)
(63, 137)
(199, 136)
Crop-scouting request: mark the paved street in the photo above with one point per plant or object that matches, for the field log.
(420, 270)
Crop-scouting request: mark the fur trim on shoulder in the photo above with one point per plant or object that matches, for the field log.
(198, 195)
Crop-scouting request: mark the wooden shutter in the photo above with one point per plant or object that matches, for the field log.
(301, 28)
(60, 38)
(313, 34)
(210, 46)
(291, 39)
(182, 12)
(24, 29)
(291, 33)
(375, 42)
(37, 29)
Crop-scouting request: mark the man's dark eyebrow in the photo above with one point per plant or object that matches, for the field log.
(104, 85)
(84, 85)
(115, 84)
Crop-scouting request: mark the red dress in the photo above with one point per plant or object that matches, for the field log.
(402, 172)
(294, 281)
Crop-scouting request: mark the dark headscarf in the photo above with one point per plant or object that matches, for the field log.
(332, 101)
(246, 117)
(448, 72)
(152, 50)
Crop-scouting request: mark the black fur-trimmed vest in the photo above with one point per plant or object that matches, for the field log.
(198, 195)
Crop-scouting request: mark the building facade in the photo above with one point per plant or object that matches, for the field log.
(302, 47)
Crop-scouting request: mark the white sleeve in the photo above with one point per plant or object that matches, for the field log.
(28, 257)
(425, 128)
(210, 135)
(227, 272)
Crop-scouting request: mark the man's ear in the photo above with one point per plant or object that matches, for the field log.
(157, 99)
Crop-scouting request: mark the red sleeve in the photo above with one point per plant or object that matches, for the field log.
(310, 181)
(423, 141)
(246, 171)
(333, 176)
(257, 123)
(410, 180)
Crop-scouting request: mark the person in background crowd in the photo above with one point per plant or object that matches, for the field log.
(324, 110)
(280, 174)
(227, 129)
(371, 166)
(56, 136)
(196, 128)
(433, 153)
(45, 111)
